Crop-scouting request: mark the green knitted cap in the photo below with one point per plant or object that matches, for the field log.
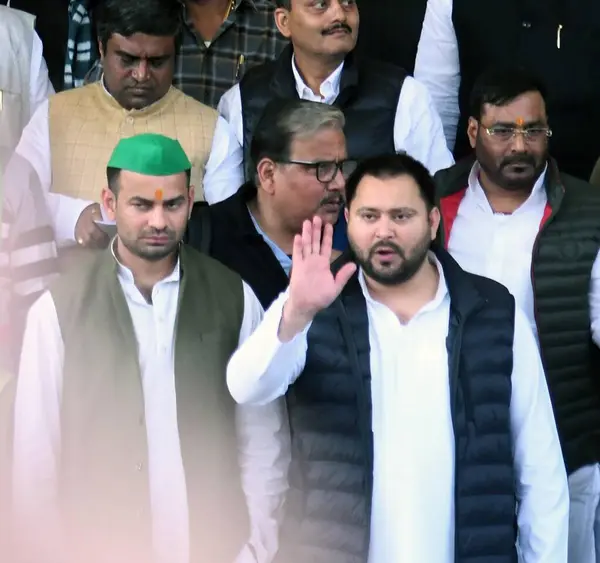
(150, 154)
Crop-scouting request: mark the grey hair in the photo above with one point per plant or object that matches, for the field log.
(310, 117)
(284, 120)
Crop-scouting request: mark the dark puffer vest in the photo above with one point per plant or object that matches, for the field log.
(563, 257)
(369, 93)
(328, 510)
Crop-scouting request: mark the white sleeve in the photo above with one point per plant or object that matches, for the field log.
(595, 301)
(418, 128)
(225, 167)
(263, 367)
(40, 87)
(265, 455)
(230, 107)
(34, 146)
(541, 479)
(37, 435)
(437, 63)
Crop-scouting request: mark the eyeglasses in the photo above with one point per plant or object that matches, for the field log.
(327, 170)
(530, 134)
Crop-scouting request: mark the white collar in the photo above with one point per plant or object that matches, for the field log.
(127, 275)
(536, 198)
(330, 88)
(440, 295)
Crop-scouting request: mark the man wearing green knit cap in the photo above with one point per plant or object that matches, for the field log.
(126, 438)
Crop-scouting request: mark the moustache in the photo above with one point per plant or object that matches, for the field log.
(387, 245)
(156, 233)
(334, 28)
(519, 159)
(333, 200)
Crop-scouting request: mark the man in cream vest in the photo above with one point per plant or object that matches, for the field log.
(126, 442)
(69, 139)
(24, 82)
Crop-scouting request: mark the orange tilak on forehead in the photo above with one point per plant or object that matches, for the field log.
(158, 195)
(520, 121)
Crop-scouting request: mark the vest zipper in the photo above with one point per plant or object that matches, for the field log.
(455, 365)
(363, 405)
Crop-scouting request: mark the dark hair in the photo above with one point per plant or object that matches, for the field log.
(392, 166)
(113, 174)
(160, 18)
(284, 120)
(287, 4)
(500, 86)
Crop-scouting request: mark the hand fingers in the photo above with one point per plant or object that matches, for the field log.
(343, 275)
(92, 236)
(327, 241)
(317, 229)
(99, 241)
(84, 234)
(297, 250)
(306, 239)
(97, 233)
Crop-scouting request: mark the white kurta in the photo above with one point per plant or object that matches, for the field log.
(40, 87)
(263, 432)
(413, 495)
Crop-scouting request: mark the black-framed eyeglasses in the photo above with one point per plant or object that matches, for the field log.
(326, 170)
(505, 133)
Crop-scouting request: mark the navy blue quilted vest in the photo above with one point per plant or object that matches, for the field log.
(328, 509)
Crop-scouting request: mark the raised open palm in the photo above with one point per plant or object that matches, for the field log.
(312, 284)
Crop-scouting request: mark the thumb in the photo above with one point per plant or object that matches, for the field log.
(342, 277)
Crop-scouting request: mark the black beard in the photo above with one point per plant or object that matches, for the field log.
(403, 273)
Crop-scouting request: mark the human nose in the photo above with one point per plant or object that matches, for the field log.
(157, 219)
(142, 71)
(384, 228)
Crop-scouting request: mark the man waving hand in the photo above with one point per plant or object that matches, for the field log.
(420, 417)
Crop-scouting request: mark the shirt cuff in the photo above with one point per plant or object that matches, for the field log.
(264, 367)
(269, 329)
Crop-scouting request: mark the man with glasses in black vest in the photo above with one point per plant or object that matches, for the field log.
(300, 166)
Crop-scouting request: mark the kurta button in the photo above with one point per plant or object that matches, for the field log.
(526, 25)
(140, 466)
(130, 119)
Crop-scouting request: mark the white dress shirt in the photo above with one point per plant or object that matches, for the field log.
(500, 246)
(413, 495)
(40, 87)
(263, 432)
(223, 169)
(437, 64)
(417, 126)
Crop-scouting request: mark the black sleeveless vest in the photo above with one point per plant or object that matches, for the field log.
(369, 93)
